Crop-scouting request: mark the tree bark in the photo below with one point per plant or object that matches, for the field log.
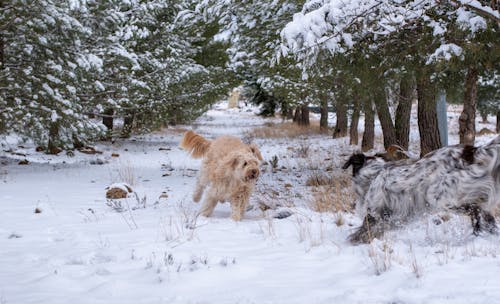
(467, 120)
(53, 144)
(128, 122)
(304, 116)
(384, 116)
(107, 120)
(2, 56)
(297, 114)
(403, 113)
(353, 131)
(369, 133)
(341, 125)
(323, 120)
(427, 115)
(498, 121)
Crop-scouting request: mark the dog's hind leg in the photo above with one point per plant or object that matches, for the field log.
(480, 219)
(208, 204)
(489, 222)
(201, 184)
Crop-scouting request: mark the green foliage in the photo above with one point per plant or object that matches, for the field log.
(63, 62)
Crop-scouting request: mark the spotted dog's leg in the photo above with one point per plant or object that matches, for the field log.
(372, 227)
(489, 222)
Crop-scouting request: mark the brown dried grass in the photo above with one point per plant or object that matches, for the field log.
(285, 129)
(331, 193)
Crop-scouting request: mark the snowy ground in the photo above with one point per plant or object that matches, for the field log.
(79, 249)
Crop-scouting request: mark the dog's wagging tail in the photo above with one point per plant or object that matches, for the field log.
(196, 145)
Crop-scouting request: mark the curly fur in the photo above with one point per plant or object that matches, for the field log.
(459, 178)
(229, 166)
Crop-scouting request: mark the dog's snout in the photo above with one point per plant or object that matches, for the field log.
(254, 173)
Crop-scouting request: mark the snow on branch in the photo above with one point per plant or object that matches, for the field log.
(338, 25)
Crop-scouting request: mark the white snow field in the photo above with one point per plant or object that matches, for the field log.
(152, 248)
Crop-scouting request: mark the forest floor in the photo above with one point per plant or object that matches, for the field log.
(62, 241)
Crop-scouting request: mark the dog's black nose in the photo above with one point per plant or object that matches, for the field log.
(254, 173)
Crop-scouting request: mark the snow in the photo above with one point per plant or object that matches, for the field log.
(79, 249)
(445, 51)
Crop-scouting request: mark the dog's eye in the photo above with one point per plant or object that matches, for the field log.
(244, 164)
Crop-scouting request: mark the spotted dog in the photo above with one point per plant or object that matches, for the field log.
(456, 178)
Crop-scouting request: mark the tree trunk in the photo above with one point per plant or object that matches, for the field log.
(107, 120)
(77, 143)
(341, 125)
(304, 116)
(384, 116)
(484, 117)
(353, 132)
(369, 133)
(427, 115)
(403, 113)
(128, 121)
(2, 58)
(323, 120)
(498, 121)
(53, 144)
(467, 120)
(297, 114)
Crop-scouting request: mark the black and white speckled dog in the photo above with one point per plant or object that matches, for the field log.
(459, 178)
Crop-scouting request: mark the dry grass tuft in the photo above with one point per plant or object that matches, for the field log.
(319, 179)
(331, 194)
(285, 129)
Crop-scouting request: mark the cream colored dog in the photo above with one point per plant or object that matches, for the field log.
(229, 166)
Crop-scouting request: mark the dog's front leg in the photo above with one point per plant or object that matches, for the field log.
(238, 206)
(209, 203)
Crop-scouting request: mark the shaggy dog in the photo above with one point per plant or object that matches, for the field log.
(230, 167)
(458, 178)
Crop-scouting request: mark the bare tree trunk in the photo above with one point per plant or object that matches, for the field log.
(107, 120)
(341, 125)
(484, 117)
(297, 114)
(384, 116)
(427, 115)
(2, 56)
(498, 121)
(323, 120)
(353, 131)
(304, 116)
(128, 122)
(369, 133)
(467, 120)
(403, 113)
(53, 144)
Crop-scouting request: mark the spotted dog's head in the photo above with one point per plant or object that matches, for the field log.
(357, 161)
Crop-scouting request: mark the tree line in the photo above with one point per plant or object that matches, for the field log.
(68, 70)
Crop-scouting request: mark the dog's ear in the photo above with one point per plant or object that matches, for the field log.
(233, 161)
(255, 150)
